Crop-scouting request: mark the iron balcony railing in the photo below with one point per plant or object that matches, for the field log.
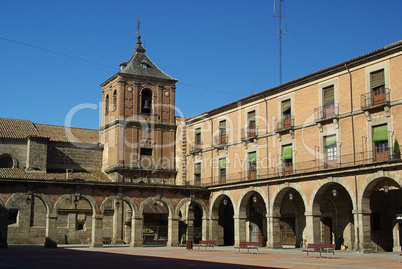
(221, 139)
(297, 168)
(377, 97)
(326, 112)
(196, 147)
(249, 133)
(285, 122)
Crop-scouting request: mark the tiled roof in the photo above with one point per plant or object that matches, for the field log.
(21, 129)
(68, 134)
(18, 173)
(14, 128)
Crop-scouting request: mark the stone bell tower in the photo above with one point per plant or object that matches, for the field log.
(138, 122)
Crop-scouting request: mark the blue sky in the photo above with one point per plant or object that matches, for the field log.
(55, 54)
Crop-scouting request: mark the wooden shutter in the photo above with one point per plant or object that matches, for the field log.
(377, 79)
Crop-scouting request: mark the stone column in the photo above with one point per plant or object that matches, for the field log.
(239, 229)
(205, 231)
(214, 231)
(173, 232)
(363, 230)
(97, 231)
(3, 227)
(136, 231)
(51, 230)
(276, 241)
(312, 231)
(118, 223)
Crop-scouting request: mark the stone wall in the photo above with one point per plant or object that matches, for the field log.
(16, 148)
(67, 156)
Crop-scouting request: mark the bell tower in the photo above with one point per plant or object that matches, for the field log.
(138, 122)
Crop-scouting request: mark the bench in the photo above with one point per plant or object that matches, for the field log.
(248, 246)
(205, 244)
(320, 248)
(399, 255)
(106, 240)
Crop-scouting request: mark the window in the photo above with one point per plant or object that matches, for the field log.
(252, 165)
(197, 144)
(107, 104)
(287, 156)
(114, 101)
(377, 85)
(286, 114)
(330, 151)
(146, 157)
(12, 216)
(328, 101)
(197, 174)
(222, 170)
(380, 141)
(6, 161)
(251, 124)
(222, 132)
(146, 101)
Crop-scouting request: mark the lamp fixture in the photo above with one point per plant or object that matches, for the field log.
(255, 199)
(117, 205)
(225, 202)
(290, 196)
(76, 201)
(28, 200)
(334, 192)
(386, 188)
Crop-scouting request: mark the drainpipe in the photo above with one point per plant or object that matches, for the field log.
(354, 157)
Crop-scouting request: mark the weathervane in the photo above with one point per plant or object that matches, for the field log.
(138, 28)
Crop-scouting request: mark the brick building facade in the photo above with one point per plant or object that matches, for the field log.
(312, 160)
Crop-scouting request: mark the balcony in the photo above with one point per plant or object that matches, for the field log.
(195, 148)
(221, 140)
(249, 134)
(376, 99)
(285, 123)
(326, 113)
(294, 169)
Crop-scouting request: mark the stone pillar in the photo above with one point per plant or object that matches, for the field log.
(173, 232)
(240, 229)
(3, 227)
(51, 230)
(312, 231)
(97, 231)
(395, 234)
(136, 231)
(276, 241)
(118, 223)
(214, 231)
(205, 230)
(363, 231)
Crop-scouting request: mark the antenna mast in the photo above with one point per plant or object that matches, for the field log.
(280, 38)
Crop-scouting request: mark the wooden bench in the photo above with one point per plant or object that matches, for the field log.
(248, 246)
(106, 240)
(320, 248)
(205, 244)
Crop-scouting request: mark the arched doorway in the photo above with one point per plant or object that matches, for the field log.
(253, 211)
(155, 223)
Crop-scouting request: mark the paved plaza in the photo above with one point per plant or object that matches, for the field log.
(178, 257)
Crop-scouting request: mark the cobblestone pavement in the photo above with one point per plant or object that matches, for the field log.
(178, 257)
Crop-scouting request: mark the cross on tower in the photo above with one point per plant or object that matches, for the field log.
(138, 28)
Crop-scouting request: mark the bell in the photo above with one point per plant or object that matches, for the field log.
(147, 104)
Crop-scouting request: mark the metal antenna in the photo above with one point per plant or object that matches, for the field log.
(280, 38)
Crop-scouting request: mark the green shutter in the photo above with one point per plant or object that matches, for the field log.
(286, 106)
(380, 133)
(330, 140)
(252, 157)
(198, 131)
(222, 164)
(287, 152)
(197, 169)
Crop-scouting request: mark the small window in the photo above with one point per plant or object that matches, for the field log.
(222, 170)
(198, 138)
(146, 101)
(252, 165)
(197, 174)
(146, 152)
(6, 161)
(107, 104)
(251, 124)
(12, 216)
(114, 101)
(222, 132)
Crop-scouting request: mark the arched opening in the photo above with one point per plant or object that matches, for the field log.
(226, 222)
(253, 206)
(289, 219)
(7, 161)
(107, 104)
(114, 101)
(385, 202)
(333, 205)
(146, 101)
(155, 224)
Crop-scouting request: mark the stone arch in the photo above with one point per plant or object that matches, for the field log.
(199, 202)
(318, 191)
(8, 161)
(165, 201)
(246, 194)
(369, 184)
(280, 192)
(94, 205)
(218, 199)
(126, 199)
